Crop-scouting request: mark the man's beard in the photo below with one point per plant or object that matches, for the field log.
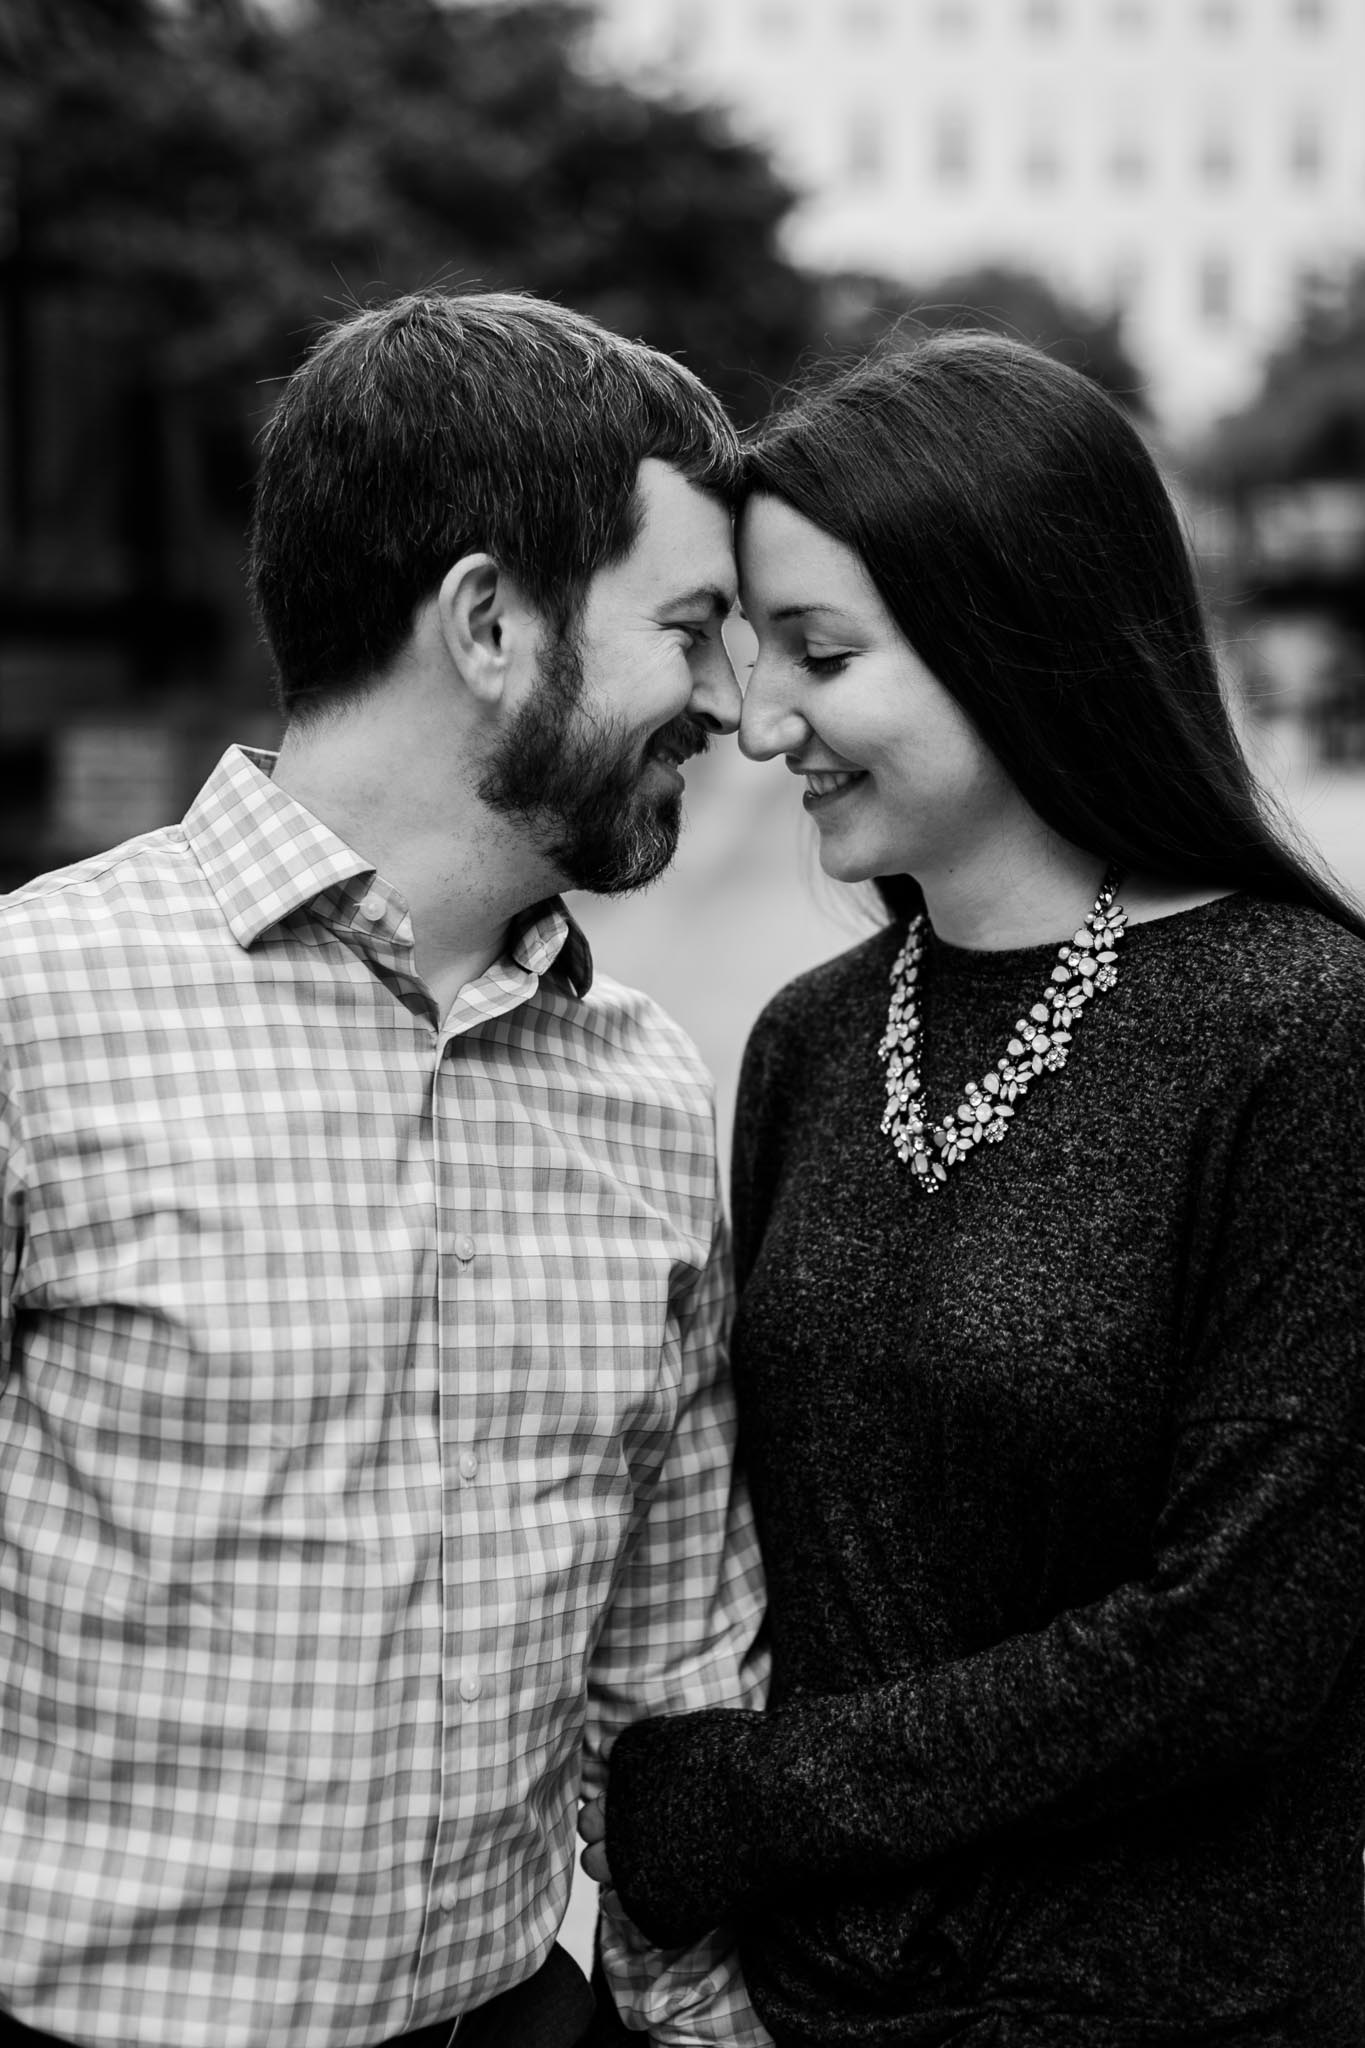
(578, 784)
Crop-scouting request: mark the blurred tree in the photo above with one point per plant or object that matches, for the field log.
(232, 172)
(1307, 422)
(187, 188)
(863, 310)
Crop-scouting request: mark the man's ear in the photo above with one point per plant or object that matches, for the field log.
(486, 625)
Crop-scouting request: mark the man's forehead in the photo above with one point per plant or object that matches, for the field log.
(665, 494)
(685, 545)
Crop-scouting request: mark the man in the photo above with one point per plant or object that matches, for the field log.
(364, 1440)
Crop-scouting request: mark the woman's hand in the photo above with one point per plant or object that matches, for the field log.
(592, 1827)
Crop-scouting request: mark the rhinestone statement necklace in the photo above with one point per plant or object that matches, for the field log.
(1041, 1041)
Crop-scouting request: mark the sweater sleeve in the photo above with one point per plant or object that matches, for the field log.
(755, 1152)
(1218, 1658)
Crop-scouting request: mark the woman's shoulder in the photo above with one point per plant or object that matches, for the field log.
(1260, 954)
(799, 1050)
(1253, 980)
(837, 990)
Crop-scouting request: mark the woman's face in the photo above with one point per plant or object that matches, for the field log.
(897, 779)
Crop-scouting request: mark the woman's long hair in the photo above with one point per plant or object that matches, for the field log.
(1021, 537)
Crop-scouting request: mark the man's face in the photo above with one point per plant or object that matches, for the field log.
(631, 690)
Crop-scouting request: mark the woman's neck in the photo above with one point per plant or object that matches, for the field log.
(1037, 897)
(1013, 892)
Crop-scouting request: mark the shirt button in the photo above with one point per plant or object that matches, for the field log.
(464, 1249)
(372, 909)
(470, 1686)
(450, 1898)
(469, 1465)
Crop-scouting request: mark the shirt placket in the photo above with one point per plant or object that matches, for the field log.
(472, 1574)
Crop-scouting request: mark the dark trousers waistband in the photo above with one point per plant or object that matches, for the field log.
(552, 2009)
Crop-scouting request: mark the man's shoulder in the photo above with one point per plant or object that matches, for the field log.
(82, 925)
(628, 1030)
(137, 870)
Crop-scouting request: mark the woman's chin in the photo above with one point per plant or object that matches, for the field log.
(846, 864)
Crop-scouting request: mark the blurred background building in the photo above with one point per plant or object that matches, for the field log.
(1197, 164)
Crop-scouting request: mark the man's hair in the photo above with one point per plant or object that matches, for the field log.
(443, 424)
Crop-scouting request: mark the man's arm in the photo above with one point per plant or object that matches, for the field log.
(11, 1219)
(683, 1631)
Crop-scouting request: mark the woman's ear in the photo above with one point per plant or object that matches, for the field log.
(487, 627)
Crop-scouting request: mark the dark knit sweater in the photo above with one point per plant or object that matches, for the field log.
(1060, 1477)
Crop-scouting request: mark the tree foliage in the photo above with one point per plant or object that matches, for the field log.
(1307, 421)
(231, 174)
(864, 311)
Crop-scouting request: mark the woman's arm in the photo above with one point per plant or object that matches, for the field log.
(1222, 1654)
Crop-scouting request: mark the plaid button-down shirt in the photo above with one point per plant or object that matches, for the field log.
(364, 1443)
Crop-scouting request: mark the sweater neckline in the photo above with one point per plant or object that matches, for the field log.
(1009, 963)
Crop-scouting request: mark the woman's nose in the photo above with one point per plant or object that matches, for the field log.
(768, 725)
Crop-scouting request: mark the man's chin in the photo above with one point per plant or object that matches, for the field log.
(631, 858)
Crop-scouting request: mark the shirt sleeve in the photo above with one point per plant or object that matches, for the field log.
(12, 1211)
(684, 1631)
(1219, 1658)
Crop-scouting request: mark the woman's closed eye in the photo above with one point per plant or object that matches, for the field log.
(824, 664)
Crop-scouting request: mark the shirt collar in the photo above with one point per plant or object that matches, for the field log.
(262, 853)
(547, 939)
(264, 856)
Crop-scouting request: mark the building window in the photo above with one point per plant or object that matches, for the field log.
(1042, 17)
(1129, 17)
(1307, 288)
(866, 147)
(1308, 16)
(1126, 281)
(952, 18)
(1215, 291)
(1218, 17)
(1042, 165)
(1306, 150)
(1217, 158)
(1128, 160)
(952, 154)
(864, 18)
(689, 28)
(774, 20)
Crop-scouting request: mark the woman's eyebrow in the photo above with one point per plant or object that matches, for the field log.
(804, 611)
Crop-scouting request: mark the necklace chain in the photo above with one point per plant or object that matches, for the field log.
(1086, 965)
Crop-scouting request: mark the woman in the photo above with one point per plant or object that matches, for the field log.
(1048, 1203)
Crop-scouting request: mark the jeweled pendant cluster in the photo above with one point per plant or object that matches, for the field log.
(1041, 1041)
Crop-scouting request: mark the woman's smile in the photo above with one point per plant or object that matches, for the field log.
(824, 786)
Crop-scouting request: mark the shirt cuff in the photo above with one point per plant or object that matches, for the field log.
(680, 1998)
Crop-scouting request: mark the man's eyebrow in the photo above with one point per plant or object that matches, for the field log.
(707, 597)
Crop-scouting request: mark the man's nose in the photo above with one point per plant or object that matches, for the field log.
(715, 701)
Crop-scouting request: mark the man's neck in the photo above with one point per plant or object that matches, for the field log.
(461, 871)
